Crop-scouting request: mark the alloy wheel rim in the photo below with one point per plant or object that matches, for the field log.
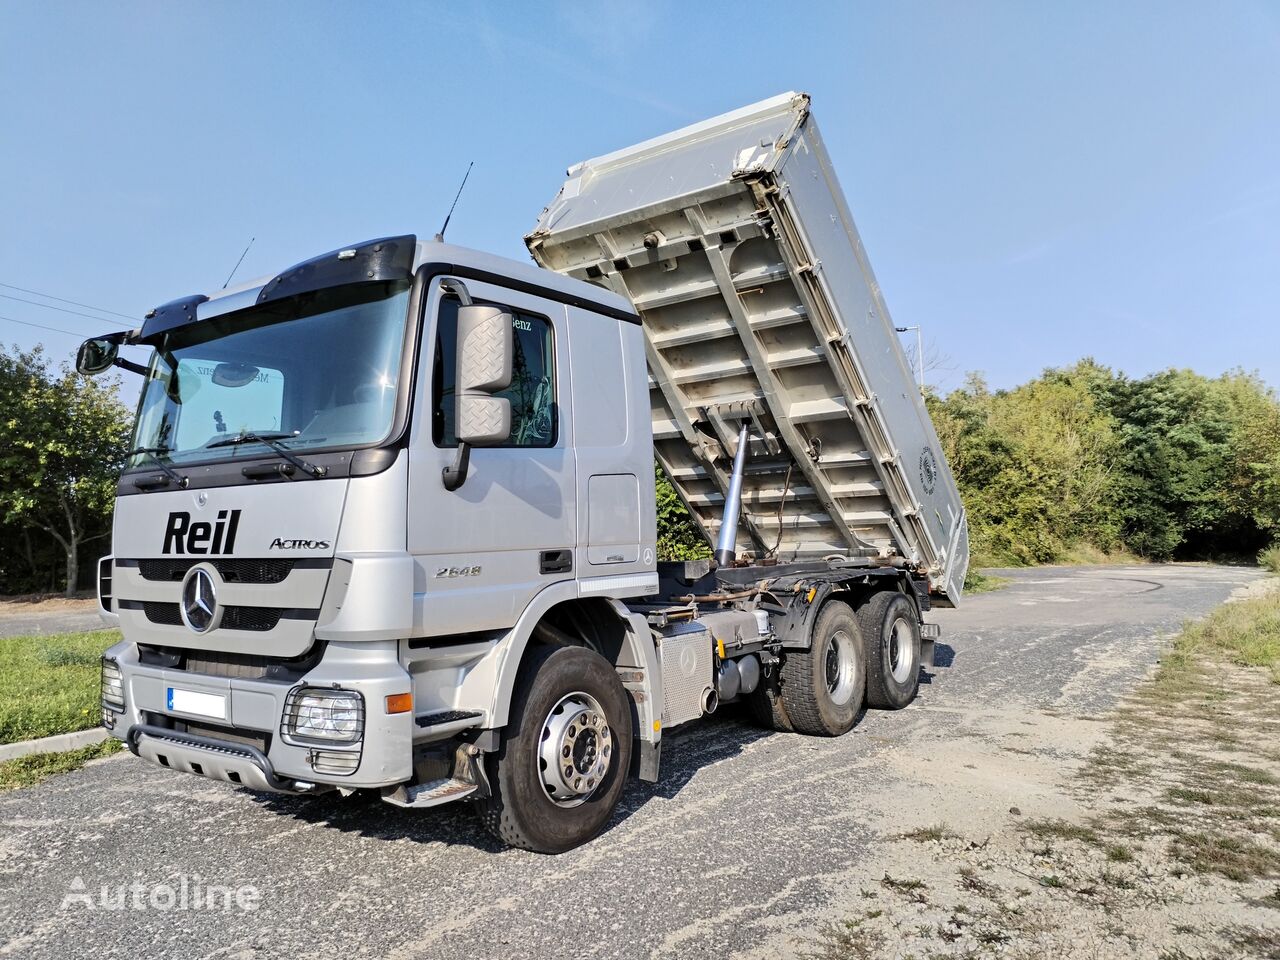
(841, 668)
(576, 749)
(901, 650)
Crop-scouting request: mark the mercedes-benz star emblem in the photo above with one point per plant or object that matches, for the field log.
(199, 600)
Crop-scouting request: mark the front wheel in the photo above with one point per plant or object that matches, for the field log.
(892, 628)
(823, 687)
(565, 753)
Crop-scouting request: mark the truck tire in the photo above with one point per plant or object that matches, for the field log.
(565, 753)
(891, 627)
(823, 687)
(764, 704)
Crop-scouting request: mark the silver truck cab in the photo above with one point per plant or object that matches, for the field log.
(336, 615)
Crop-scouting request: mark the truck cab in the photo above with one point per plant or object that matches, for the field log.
(298, 566)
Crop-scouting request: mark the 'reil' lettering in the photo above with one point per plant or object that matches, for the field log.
(181, 536)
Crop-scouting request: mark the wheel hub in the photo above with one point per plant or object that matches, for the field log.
(841, 668)
(576, 749)
(901, 650)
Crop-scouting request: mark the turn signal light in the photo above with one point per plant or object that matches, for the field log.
(399, 703)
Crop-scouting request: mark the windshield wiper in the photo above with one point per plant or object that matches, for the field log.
(154, 453)
(271, 440)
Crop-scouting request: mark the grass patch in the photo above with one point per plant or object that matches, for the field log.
(849, 940)
(910, 888)
(50, 684)
(1245, 633)
(976, 582)
(37, 767)
(1235, 858)
(1086, 554)
(937, 831)
(1119, 853)
(1060, 829)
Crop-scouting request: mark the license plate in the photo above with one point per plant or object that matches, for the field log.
(201, 704)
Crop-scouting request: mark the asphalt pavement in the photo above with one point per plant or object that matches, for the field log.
(32, 619)
(731, 846)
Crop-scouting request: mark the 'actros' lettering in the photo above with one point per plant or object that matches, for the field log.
(183, 536)
(278, 544)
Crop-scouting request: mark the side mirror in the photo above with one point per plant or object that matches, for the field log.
(486, 355)
(95, 357)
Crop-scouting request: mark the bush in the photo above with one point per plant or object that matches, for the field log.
(1086, 464)
(1269, 559)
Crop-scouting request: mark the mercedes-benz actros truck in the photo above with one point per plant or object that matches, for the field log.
(389, 521)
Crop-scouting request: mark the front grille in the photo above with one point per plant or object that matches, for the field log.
(166, 614)
(253, 619)
(240, 666)
(253, 571)
(247, 570)
(256, 619)
(251, 737)
(230, 735)
(104, 583)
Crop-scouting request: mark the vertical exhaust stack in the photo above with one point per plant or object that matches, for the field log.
(726, 543)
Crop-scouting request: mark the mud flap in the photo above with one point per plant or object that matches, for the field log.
(929, 633)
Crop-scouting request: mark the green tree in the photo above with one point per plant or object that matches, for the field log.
(62, 445)
(679, 537)
(1034, 465)
(1253, 486)
(1176, 463)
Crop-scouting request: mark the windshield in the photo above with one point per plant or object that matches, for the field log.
(312, 372)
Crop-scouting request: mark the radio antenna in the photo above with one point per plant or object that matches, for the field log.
(238, 262)
(440, 235)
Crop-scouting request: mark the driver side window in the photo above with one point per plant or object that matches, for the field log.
(533, 384)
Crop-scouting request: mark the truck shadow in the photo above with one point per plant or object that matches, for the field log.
(364, 814)
(943, 656)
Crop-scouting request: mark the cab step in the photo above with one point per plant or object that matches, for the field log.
(430, 794)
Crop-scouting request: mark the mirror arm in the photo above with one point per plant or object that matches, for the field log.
(456, 473)
(458, 289)
(129, 365)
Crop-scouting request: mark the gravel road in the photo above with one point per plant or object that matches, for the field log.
(50, 616)
(729, 852)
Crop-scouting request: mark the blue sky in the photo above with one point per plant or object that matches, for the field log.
(1033, 182)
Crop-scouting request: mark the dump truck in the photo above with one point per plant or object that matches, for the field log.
(389, 520)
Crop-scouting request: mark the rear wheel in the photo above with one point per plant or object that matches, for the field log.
(823, 687)
(764, 703)
(565, 753)
(892, 630)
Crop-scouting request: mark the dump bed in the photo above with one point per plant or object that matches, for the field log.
(734, 242)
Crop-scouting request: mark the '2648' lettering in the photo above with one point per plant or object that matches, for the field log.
(449, 573)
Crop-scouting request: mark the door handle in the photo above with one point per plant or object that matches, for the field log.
(555, 561)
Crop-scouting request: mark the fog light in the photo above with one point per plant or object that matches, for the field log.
(112, 686)
(313, 713)
(108, 719)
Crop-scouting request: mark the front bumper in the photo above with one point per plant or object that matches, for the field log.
(209, 757)
(254, 752)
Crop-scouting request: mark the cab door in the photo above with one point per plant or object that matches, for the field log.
(483, 550)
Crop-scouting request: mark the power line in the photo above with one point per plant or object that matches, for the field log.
(28, 323)
(74, 303)
(50, 306)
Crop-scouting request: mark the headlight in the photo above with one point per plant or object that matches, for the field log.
(313, 713)
(112, 686)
